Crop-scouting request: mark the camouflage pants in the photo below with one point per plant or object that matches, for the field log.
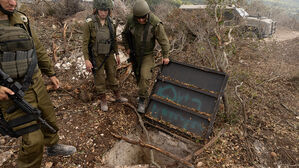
(144, 75)
(105, 77)
(31, 151)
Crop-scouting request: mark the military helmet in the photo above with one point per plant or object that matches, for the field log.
(141, 8)
(102, 4)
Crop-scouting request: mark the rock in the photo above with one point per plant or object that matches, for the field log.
(4, 156)
(68, 87)
(199, 164)
(273, 154)
(134, 166)
(14, 164)
(48, 164)
(2, 141)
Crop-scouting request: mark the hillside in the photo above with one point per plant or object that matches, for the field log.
(258, 127)
(291, 6)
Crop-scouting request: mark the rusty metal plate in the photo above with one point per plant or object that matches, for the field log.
(200, 77)
(185, 99)
(179, 117)
(201, 101)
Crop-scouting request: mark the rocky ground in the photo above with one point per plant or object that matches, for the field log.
(261, 126)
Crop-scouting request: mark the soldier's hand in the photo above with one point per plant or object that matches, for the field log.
(55, 82)
(4, 91)
(88, 65)
(165, 61)
(128, 51)
(117, 59)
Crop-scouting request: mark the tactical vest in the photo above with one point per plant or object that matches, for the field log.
(142, 46)
(18, 59)
(103, 40)
(16, 51)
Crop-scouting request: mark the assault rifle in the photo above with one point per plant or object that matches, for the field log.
(132, 57)
(17, 98)
(91, 58)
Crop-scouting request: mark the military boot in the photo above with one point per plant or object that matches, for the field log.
(61, 150)
(141, 105)
(104, 105)
(120, 98)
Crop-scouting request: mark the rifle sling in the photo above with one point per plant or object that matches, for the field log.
(28, 77)
(33, 63)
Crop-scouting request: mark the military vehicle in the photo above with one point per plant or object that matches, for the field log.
(260, 26)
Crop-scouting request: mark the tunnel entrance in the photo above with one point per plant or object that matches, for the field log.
(129, 155)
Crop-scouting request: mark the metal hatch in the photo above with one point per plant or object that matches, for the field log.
(185, 99)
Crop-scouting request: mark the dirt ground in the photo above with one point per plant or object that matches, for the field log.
(261, 127)
(283, 34)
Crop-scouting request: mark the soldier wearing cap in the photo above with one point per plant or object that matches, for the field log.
(141, 32)
(99, 48)
(21, 50)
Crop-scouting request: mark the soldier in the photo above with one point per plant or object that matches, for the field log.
(139, 37)
(99, 47)
(21, 52)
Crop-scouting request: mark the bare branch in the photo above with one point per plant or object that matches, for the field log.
(230, 38)
(146, 133)
(140, 143)
(55, 48)
(241, 101)
(213, 53)
(65, 26)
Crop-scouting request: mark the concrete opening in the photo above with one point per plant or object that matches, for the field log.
(124, 154)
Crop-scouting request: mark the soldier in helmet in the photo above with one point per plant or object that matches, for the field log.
(141, 32)
(99, 48)
(23, 58)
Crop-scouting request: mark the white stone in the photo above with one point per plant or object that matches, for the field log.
(199, 164)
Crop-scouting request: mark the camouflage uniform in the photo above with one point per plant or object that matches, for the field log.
(31, 151)
(109, 67)
(156, 32)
